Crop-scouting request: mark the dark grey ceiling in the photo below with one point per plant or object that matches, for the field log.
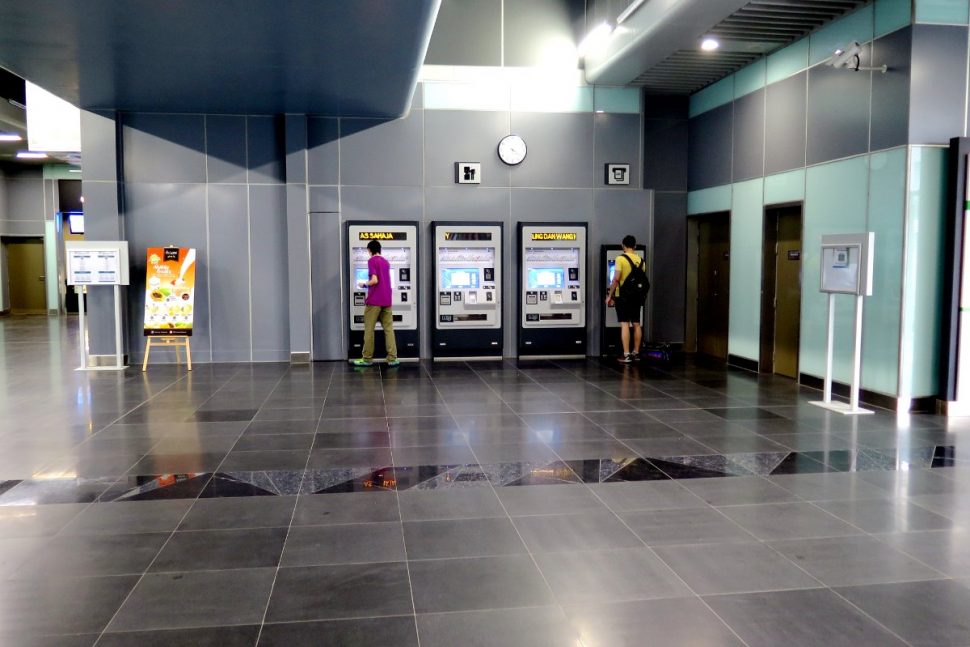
(327, 57)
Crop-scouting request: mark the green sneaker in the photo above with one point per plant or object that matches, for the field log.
(362, 362)
(393, 362)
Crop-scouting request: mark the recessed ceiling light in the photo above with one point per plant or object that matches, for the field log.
(28, 155)
(10, 137)
(709, 45)
(74, 170)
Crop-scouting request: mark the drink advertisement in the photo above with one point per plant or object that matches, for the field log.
(169, 291)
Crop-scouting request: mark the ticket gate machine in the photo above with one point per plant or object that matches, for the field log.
(610, 344)
(399, 245)
(552, 290)
(467, 309)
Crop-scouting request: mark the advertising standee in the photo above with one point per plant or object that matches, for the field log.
(169, 300)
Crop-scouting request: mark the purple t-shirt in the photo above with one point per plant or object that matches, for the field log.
(380, 294)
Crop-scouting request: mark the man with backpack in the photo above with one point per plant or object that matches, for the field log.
(628, 292)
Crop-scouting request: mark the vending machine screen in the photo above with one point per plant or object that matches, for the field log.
(459, 279)
(546, 278)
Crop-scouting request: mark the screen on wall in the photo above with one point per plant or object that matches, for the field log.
(75, 221)
(360, 275)
(459, 279)
(546, 278)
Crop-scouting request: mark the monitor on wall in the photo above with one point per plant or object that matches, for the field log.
(75, 222)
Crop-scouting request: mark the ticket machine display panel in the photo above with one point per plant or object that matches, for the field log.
(610, 344)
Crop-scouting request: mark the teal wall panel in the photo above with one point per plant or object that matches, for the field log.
(617, 100)
(791, 60)
(892, 15)
(744, 319)
(716, 198)
(835, 203)
(714, 95)
(944, 12)
(857, 26)
(751, 78)
(785, 187)
(881, 318)
(923, 278)
(50, 265)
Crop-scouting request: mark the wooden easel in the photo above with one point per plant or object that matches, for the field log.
(174, 342)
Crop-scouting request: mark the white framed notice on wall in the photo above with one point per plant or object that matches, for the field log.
(91, 262)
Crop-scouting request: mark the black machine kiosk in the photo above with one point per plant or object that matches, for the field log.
(552, 290)
(610, 344)
(399, 245)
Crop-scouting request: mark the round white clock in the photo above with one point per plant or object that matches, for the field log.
(512, 150)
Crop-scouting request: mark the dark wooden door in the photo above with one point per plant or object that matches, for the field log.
(713, 285)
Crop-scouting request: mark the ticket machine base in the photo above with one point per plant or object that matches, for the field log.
(467, 344)
(552, 342)
(408, 343)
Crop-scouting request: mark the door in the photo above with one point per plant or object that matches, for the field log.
(713, 282)
(788, 293)
(25, 271)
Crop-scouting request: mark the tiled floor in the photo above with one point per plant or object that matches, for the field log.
(515, 503)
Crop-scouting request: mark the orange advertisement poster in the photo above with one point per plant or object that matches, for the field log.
(169, 291)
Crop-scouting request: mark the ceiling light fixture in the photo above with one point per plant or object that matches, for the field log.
(709, 44)
(595, 40)
(28, 155)
(10, 137)
(74, 170)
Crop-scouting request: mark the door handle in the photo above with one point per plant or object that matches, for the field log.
(41, 278)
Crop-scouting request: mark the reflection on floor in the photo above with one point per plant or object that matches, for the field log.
(510, 503)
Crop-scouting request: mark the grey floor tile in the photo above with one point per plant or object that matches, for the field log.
(734, 568)
(923, 613)
(839, 486)
(502, 582)
(340, 591)
(658, 447)
(242, 636)
(740, 490)
(946, 551)
(594, 577)
(128, 517)
(14, 552)
(265, 460)
(461, 538)
(359, 457)
(571, 532)
(453, 504)
(61, 605)
(202, 599)
(691, 526)
(239, 512)
(684, 621)
(650, 495)
(911, 482)
(535, 627)
(798, 618)
(37, 521)
(398, 631)
(788, 521)
(344, 544)
(351, 439)
(355, 507)
(273, 442)
(208, 550)
(433, 455)
(847, 561)
(548, 499)
(91, 555)
(885, 516)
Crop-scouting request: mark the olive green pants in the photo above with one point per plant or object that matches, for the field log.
(371, 315)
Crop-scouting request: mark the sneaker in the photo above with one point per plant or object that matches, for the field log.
(393, 362)
(362, 362)
(626, 359)
(636, 357)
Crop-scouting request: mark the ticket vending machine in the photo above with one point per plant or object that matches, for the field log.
(467, 309)
(552, 290)
(399, 245)
(610, 344)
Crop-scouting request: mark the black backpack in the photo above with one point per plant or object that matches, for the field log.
(636, 285)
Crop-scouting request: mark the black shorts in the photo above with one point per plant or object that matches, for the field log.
(627, 310)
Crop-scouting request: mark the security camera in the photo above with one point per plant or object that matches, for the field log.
(847, 56)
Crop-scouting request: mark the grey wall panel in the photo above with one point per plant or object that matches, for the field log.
(225, 141)
(324, 198)
(534, 28)
(939, 84)
(665, 154)
(164, 148)
(612, 142)
(663, 106)
(298, 267)
(709, 148)
(323, 151)
(464, 136)
(25, 199)
(267, 240)
(297, 152)
(458, 203)
(382, 203)
(749, 136)
(327, 267)
(98, 141)
(387, 153)
(669, 280)
(560, 147)
(417, 97)
(265, 150)
(102, 221)
(838, 112)
(890, 91)
(159, 215)
(785, 124)
(467, 32)
(22, 228)
(229, 268)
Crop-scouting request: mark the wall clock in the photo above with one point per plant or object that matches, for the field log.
(512, 150)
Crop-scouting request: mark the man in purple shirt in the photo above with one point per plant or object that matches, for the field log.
(377, 305)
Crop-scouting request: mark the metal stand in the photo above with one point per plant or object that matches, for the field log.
(82, 332)
(826, 403)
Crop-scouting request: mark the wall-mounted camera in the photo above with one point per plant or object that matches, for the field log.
(850, 58)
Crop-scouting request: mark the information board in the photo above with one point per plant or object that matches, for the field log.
(169, 291)
(846, 264)
(97, 262)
